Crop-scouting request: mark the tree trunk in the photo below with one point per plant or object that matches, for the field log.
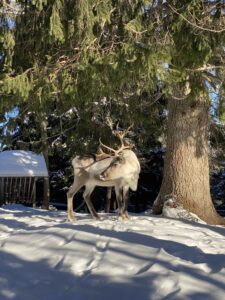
(186, 168)
(46, 193)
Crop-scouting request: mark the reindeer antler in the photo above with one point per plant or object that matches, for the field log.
(120, 135)
(114, 152)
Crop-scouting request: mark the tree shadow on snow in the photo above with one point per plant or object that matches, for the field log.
(22, 279)
(214, 262)
(26, 280)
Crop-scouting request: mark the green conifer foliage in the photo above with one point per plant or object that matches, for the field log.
(80, 51)
(56, 27)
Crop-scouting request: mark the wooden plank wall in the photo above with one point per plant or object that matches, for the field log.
(18, 190)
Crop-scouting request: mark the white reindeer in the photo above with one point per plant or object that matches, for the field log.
(119, 169)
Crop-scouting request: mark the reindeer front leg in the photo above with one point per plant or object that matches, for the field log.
(122, 194)
(125, 201)
(119, 198)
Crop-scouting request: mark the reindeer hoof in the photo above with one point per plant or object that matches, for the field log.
(123, 217)
(71, 220)
(126, 216)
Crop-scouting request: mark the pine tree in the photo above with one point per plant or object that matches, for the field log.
(77, 51)
(197, 32)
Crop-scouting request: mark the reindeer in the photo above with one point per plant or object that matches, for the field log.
(118, 168)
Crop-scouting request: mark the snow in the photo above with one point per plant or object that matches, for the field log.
(20, 163)
(145, 257)
(172, 210)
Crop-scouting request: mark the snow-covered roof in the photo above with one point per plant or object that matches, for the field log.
(20, 163)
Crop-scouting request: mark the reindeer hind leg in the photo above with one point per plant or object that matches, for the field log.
(108, 199)
(87, 198)
(70, 194)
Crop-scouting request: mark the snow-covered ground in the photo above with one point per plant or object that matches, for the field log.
(42, 257)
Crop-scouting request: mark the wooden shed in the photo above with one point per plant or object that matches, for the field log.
(19, 172)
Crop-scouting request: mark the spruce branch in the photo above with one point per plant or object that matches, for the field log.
(194, 24)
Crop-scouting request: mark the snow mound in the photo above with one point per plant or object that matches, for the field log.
(172, 210)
